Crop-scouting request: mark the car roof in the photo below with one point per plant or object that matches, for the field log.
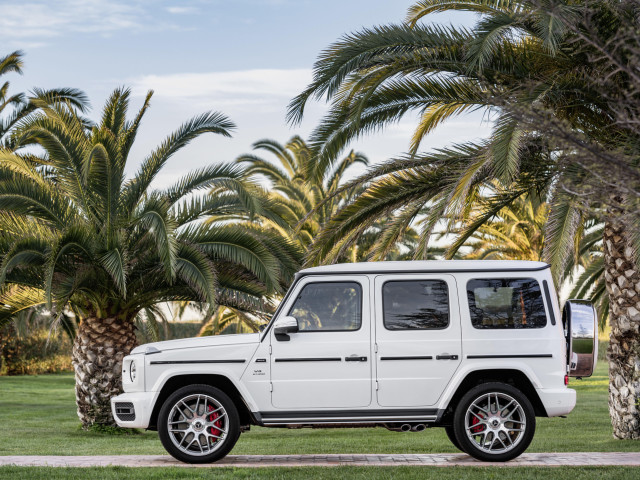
(426, 266)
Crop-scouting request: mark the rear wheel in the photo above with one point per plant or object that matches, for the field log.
(494, 422)
(198, 424)
(452, 437)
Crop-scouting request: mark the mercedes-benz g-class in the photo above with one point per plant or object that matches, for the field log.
(476, 347)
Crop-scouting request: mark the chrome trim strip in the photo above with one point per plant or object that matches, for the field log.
(181, 362)
(525, 355)
(318, 359)
(425, 357)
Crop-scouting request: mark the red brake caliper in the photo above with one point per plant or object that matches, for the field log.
(212, 418)
(476, 421)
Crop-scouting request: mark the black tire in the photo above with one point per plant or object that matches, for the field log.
(452, 437)
(525, 418)
(227, 442)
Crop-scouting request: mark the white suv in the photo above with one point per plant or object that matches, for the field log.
(476, 347)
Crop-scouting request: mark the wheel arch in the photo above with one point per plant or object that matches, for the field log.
(215, 380)
(513, 377)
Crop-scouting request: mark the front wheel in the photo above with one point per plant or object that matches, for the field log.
(198, 424)
(494, 422)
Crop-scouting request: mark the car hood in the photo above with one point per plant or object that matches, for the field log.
(197, 342)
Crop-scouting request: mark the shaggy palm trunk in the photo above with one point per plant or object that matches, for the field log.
(623, 285)
(98, 350)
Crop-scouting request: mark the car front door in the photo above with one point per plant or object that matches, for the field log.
(327, 363)
(417, 336)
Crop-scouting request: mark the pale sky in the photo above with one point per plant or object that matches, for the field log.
(245, 58)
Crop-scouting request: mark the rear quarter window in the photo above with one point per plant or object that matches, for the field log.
(506, 303)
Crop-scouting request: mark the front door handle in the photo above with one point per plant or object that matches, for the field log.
(446, 356)
(355, 358)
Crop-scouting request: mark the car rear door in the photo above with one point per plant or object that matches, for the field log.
(417, 338)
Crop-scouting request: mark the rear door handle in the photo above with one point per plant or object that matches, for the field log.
(355, 358)
(446, 357)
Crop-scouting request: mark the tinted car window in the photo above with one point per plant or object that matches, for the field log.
(506, 303)
(415, 305)
(328, 306)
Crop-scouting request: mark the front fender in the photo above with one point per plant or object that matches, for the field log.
(230, 372)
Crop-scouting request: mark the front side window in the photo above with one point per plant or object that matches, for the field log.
(328, 306)
(504, 303)
(415, 305)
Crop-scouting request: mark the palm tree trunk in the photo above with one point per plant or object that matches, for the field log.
(622, 277)
(98, 350)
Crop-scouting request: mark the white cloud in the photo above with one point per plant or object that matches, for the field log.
(181, 10)
(22, 45)
(44, 19)
(250, 88)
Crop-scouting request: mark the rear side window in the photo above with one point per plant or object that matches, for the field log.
(415, 305)
(328, 306)
(496, 303)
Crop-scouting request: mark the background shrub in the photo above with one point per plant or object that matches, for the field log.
(38, 352)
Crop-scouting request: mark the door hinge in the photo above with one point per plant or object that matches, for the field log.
(377, 386)
(271, 387)
(375, 347)
(270, 349)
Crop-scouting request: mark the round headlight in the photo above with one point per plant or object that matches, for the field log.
(132, 371)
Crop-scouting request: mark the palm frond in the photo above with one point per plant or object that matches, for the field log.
(422, 8)
(564, 219)
(14, 300)
(212, 122)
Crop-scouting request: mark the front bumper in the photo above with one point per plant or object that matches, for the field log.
(133, 410)
(557, 401)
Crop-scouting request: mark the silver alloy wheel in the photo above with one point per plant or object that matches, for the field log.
(495, 422)
(198, 424)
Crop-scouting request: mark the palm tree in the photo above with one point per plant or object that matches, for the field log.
(519, 61)
(80, 237)
(305, 199)
(15, 108)
(304, 202)
(515, 233)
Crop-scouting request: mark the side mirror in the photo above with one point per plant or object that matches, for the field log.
(284, 326)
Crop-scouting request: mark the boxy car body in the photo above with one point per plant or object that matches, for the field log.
(394, 344)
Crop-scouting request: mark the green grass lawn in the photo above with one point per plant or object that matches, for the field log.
(37, 417)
